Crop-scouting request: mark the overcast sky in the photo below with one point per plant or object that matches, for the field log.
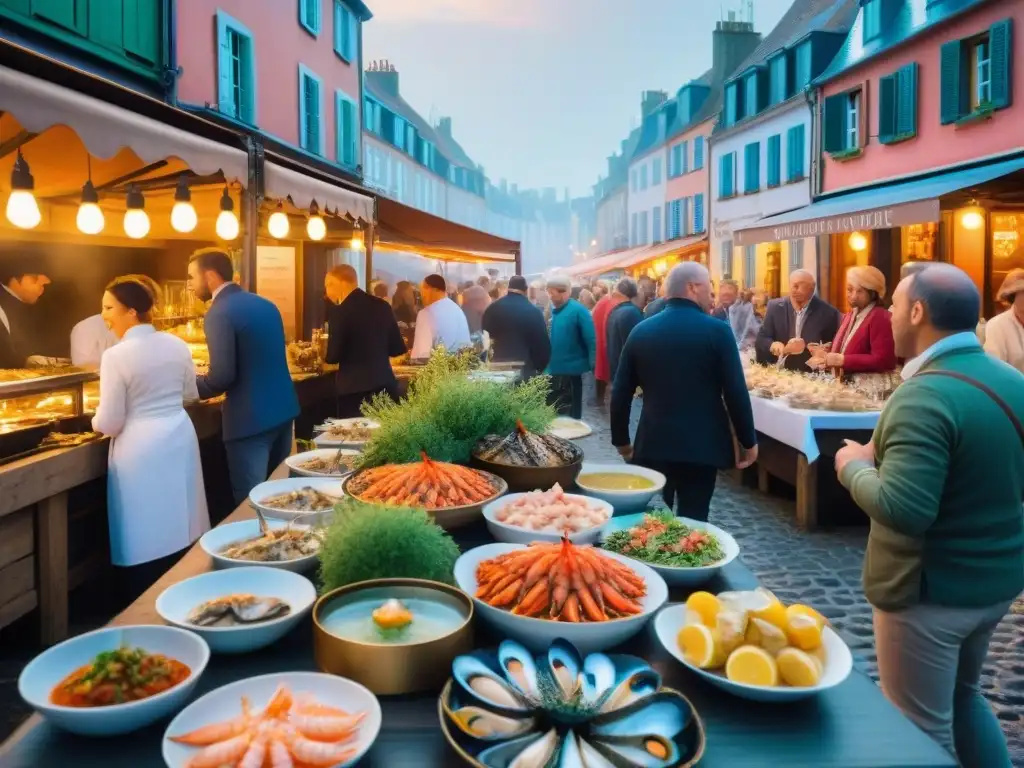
(541, 91)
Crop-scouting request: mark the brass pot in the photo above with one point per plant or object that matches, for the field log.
(393, 668)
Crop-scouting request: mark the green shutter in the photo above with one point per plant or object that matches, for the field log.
(834, 128)
(142, 29)
(752, 168)
(774, 172)
(347, 132)
(1000, 37)
(906, 100)
(225, 80)
(887, 107)
(70, 14)
(951, 94)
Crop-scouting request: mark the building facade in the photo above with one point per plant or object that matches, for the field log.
(646, 193)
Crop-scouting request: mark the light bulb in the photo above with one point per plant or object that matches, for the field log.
(316, 228)
(22, 209)
(227, 225)
(858, 242)
(90, 219)
(183, 217)
(136, 223)
(972, 219)
(278, 224)
(357, 240)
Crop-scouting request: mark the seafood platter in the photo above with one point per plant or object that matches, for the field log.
(289, 546)
(392, 635)
(239, 609)
(293, 498)
(523, 518)
(345, 433)
(509, 708)
(625, 486)
(323, 462)
(811, 391)
(451, 493)
(292, 718)
(534, 594)
(684, 552)
(752, 646)
(527, 460)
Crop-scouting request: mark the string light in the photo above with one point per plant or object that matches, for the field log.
(22, 208)
(357, 237)
(227, 222)
(316, 228)
(973, 217)
(278, 225)
(183, 214)
(858, 242)
(90, 219)
(136, 221)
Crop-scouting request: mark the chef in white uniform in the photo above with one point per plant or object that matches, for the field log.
(156, 502)
(90, 338)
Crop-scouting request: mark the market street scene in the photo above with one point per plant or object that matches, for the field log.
(511, 384)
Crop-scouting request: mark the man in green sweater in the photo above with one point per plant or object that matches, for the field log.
(942, 481)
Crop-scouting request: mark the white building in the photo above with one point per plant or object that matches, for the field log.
(648, 171)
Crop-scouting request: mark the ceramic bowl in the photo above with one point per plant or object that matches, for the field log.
(176, 602)
(216, 540)
(513, 534)
(838, 663)
(226, 703)
(538, 634)
(328, 486)
(569, 429)
(622, 500)
(295, 461)
(682, 577)
(49, 668)
(323, 440)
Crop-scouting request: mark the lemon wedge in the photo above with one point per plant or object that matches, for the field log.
(798, 668)
(731, 626)
(751, 665)
(768, 636)
(804, 632)
(796, 609)
(706, 605)
(767, 607)
(701, 646)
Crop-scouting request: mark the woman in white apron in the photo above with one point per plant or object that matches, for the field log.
(156, 503)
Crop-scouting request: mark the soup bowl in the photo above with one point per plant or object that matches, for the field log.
(622, 498)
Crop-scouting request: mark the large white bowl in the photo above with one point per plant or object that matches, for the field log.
(177, 601)
(538, 634)
(217, 539)
(513, 534)
(50, 667)
(226, 703)
(327, 485)
(838, 662)
(323, 441)
(326, 454)
(681, 577)
(622, 500)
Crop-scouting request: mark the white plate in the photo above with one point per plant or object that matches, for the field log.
(50, 667)
(569, 429)
(622, 500)
(513, 534)
(177, 601)
(226, 702)
(216, 540)
(294, 462)
(323, 441)
(538, 634)
(329, 486)
(838, 662)
(675, 576)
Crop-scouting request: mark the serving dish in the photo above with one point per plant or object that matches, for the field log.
(295, 462)
(216, 540)
(622, 500)
(529, 461)
(176, 603)
(569, 429)
(513, 534)
(324, 440)
(38, 679)
(329, 487)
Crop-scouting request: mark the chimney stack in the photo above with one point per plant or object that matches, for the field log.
(732, 42)
(384, 77)
(444, 126)
(650, 101)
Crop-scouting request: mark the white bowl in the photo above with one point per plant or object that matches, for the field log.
(226, 703)
(622, 500)
(177, 601)
(216, 540)
(50, 667)
(676, 576)
(323, 441)
(838, 662)
(513, 534)
(569, 429)
(326, 454)
(538, 634)
(327, 485)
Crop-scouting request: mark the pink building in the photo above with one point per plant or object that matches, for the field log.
(686, 191)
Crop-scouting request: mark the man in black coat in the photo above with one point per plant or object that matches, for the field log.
(792, 323)
(517, 330)
(622, 319)
(363, 336)
(19, 290)
(689, 368)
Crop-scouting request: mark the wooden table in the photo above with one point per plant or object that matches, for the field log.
(851, 726)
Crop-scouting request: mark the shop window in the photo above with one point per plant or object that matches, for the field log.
(726, 257)
(975, 74)
(796, 254)
(345, 32)
(752, 168)
(1007, 250)
(347, 136)
(795, 142)
(919, 242)
(774, 170)
(749, 265)
(310, 127)
(897, 107)
(842, 125)
(309, 16)
(236, 72)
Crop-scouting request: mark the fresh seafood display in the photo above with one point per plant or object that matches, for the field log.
(276, 546)
(818, 391)
(235, 610)
(754, 638)
(352, 431)
(523, 448)
(428, 484)
(306, 499)
(291, 730)
(554, 511)
(68, 439)
(663, 539)
(509, 708)
(117, 677)
(8, 375)
(338, 464)
(562, 582)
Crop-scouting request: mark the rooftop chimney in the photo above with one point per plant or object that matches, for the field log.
(444, 126)
(732, 42)
(650, 101)
(383, 76)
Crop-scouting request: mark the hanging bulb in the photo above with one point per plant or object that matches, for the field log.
(183, 215)
(858, 242)
(316, 228)
(357, 237)
(227, 222)
(973, 216)
(136, 221)
(278, 225)
(90, 218)
(22, 208)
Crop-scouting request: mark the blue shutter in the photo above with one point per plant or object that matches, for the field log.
(952, 93)
(752, 168)
(774, 171)
(656, 224)
(698, 212)
(888, 94)
(723, 176)
(684, 157)
(682, 214)
(834, 128)
(225, 77)
(698, 153)
(906, 101)
(1000, 38)
(795, 153)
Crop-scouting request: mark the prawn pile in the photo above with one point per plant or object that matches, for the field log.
(426, 484)
(289, 732)
(561, 582)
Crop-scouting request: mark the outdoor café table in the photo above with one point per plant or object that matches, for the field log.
(851, 726)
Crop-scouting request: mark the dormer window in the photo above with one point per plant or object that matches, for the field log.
(751, 100)
(778, 73)
(802, 74)
(732, 103)
(871, 23)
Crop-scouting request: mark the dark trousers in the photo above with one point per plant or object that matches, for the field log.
(129, 582)
(601, 391)
(350, 405)
(688, 487)
(567, 395)
(252, 459)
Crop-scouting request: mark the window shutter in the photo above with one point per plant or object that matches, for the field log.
(698, 153)
(951, 95)
(348, 132)
(141, 29)
(1000, 37)
(684, 157)
(906, 100)
(726, 259)
(669, 233)
(723, 176)
(834, 128)
(683, 217)
(774, 171)
(752, 168)
(70, 14)
(887, 107)
(225, 81)
(698, 212)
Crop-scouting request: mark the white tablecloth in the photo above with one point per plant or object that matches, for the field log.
(795, 427)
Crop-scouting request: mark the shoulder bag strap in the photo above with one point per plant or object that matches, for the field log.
(988, 391)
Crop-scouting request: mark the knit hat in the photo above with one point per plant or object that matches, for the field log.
(1012, 285)
(868, 278)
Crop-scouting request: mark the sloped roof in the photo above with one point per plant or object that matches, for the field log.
(712, 104)
(402, 108)
(653, 131)
(453, 150)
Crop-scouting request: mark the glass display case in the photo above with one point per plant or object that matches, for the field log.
(31, 398)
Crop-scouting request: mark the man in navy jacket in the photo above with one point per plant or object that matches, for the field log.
(517, 330)
(687, 364)
(248, 364)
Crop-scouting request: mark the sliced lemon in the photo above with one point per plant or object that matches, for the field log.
(798, 668)
(731, 626)
(701, 646)
(796, 609)
(818, 654)
(706, 604)
(751, 665)
(804, 632)
(769, 637)
(692, 617)
(765, 606)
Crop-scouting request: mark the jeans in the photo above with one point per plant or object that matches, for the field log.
(929, 662)
(688, 487)
(567, 395)
(252, 459)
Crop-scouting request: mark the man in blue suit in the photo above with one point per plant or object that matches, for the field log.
(249, 365)
(687, 364)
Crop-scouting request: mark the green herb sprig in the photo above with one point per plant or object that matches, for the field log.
(712, 552)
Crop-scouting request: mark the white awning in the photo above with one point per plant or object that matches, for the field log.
(280, 182)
